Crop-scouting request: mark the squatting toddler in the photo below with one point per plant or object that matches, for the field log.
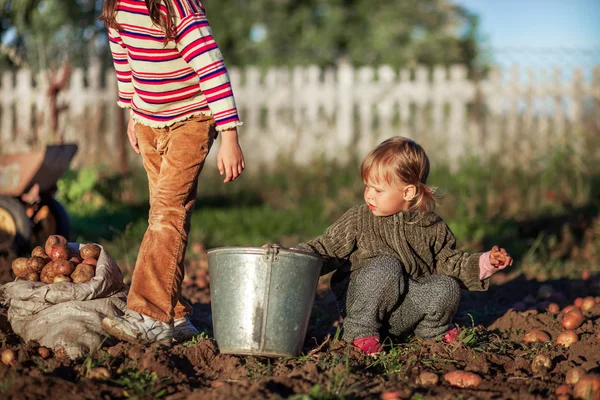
(397, 269)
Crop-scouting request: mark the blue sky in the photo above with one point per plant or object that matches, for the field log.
(541, 24)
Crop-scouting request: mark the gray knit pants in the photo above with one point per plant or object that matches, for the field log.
(381, 300)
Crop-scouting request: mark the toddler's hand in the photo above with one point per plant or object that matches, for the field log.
(499, 258)
(270, 244)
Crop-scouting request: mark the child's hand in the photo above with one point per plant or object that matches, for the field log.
(230, 159)
(499, 258)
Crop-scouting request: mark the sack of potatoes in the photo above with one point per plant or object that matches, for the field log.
(58, 262)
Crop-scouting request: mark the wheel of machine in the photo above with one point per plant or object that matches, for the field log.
(15, 225)
(50, 218)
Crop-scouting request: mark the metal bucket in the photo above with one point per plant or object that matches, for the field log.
(261, 299)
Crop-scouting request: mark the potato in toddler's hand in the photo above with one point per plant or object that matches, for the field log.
(499, 258)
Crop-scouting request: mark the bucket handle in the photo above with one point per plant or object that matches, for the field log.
(272, 252)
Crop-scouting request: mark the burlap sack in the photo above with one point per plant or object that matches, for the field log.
(67, 315)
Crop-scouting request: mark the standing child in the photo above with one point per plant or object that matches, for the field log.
(172, 76)
(396, 266)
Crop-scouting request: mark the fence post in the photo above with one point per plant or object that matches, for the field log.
(344, 114)
(7, 101)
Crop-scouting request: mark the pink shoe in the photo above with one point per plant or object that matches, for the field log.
(368, 344)
(452, 335)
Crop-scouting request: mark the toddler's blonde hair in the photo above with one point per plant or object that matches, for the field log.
(401, 160)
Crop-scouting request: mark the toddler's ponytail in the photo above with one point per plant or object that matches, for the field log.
(426, 198)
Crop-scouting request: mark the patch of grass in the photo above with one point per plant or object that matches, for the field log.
(196, 339)
(257, 367)
(392, 362)
(141, 384)
(6, 384)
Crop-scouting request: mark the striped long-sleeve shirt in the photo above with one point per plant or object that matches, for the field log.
(167, 83)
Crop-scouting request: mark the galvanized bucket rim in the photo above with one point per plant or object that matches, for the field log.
(262, 250)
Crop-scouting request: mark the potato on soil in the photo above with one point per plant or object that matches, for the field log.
(541, 364)
(59, 267)
(90, 250)
(462, 379)
(19, 267)
(83, 273)
(588, 387)
(39, 252)
(574, 374)
(55, 240)
(36, 264)
(535, 335)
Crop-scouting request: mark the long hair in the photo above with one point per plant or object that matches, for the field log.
(166, 24)
(400, 160)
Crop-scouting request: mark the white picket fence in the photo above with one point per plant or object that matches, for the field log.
(306, 112)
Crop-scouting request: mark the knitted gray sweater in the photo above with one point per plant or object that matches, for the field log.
(421, 241)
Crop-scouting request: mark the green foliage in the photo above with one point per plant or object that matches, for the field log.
(46, 31)
(196, 339)
(141, 384)
(362, 32)
(77, 190)
(267, 32)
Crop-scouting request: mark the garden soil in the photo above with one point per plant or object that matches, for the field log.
(329, 369)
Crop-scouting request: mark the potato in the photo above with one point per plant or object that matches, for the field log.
(33, 276)
(54, 240)
(427, 378)
(9, 357)
(535, 335)
(588, 387)
(59, 252)
(61, 278)
(90, 250)
(567, 338)
(541, 364)
(39, 252)
(573, 375)
(553, 308)
(90, 261)
(75, 259)
(588, 303)
(19, 267)
(462, 379)
(572, 320)
(58, 267)
(83, 273)
(36, 264)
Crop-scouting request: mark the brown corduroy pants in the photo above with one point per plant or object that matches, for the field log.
(173, 158)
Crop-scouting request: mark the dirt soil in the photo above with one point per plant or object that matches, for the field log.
(494, 323)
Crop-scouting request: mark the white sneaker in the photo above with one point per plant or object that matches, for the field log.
(183, 330)
(139, 328)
